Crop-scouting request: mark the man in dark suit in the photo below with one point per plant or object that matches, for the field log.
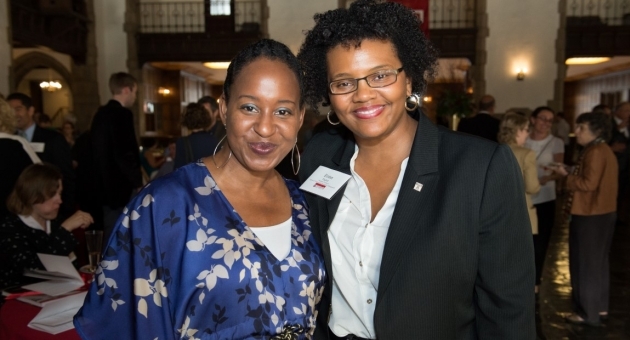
(50, 146)
(483, 124)
(620, 144)
(458, 260)
(115, 150)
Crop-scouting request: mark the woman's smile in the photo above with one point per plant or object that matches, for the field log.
(368, 112)
(262, 148)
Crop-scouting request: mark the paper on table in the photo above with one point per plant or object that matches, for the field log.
(62, 275)
(56, 316)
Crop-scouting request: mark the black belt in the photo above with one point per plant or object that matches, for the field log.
(332, 336)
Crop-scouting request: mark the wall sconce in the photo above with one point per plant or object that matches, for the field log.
(520, 75)
(164, 91)
(427, 99)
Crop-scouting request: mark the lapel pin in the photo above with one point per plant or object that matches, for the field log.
(417, 187)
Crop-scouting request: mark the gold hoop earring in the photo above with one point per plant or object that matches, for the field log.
(412, 102)
(331, 122)
(215, 152)
(299, 160)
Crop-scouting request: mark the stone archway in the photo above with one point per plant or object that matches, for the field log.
(26, 63)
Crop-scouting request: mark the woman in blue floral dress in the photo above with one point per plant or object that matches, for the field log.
(221, 248)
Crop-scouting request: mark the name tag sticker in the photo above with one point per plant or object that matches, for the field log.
(325, 182)
(38, 147)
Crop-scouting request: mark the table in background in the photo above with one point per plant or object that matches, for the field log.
(14, 318)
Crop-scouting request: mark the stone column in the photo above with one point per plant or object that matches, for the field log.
(561, 41)
(5, 47)
(478, 69)
(132, 27)
(84, 78)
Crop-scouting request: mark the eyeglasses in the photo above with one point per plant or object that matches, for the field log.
(374, 80)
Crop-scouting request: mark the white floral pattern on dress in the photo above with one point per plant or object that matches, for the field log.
(182, 264)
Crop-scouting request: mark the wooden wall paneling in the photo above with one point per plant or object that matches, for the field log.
(586, 93)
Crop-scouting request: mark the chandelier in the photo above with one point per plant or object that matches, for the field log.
(50, 85)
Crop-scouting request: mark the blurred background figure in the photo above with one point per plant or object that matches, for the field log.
(15, 154)
(151, 158)
(67, 130)
(483, 124)
(201, 142)
(216, 128)
(49, 145)
(169, 156)
(620, 145)
(548, 150)
(592, 205)
(32, 227)
(513, 131)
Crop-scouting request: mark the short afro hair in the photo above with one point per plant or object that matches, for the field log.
(264, 48)
(365, 19)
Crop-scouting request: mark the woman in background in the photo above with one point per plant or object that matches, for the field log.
(592, 205)
(513, 131)
(201, 142)
(31, 227)
(549, 150)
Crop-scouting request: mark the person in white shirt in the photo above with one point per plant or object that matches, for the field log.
(549, 150)
(430, 237)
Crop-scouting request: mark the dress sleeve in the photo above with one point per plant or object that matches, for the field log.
(504, 288)
(130, 285)
(530, 174)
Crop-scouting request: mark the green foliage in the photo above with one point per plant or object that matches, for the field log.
(455, 102)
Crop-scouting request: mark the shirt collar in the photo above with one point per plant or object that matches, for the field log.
(31, 222)
(28, 133)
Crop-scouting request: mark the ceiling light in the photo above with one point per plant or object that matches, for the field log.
(586, 60)
(220, 65)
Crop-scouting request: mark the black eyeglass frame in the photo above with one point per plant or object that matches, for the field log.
(356, 80)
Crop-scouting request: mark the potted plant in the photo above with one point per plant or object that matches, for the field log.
(455, 105)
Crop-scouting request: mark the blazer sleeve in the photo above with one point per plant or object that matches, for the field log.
(593, 167)
(530, 173)
(504, 288)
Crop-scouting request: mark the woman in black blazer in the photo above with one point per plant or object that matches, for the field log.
(430, 236)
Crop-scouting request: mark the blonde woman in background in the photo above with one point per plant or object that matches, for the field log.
(513, 131)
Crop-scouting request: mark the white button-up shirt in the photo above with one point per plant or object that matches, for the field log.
(356, 247)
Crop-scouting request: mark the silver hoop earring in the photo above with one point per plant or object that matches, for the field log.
(299, 160)
(215, 152)
(331, 122)
(412, 102)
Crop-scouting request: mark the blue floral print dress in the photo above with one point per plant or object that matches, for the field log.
(181, 264)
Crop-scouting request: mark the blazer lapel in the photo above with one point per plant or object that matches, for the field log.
(409, 215)
(341, 163)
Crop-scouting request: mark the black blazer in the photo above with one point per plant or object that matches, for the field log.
(482, 125)
(116, 155)
(458, 261)
(57, 152)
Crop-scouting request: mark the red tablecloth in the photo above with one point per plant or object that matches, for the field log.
(14, 318)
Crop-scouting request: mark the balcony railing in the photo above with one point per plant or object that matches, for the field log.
(191, 16)
(444, 14)
(173, 17)
(598, 12)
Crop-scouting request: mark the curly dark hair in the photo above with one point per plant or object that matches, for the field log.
(599, 123)
(196, 117)
(365, 19)
(264, 48)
